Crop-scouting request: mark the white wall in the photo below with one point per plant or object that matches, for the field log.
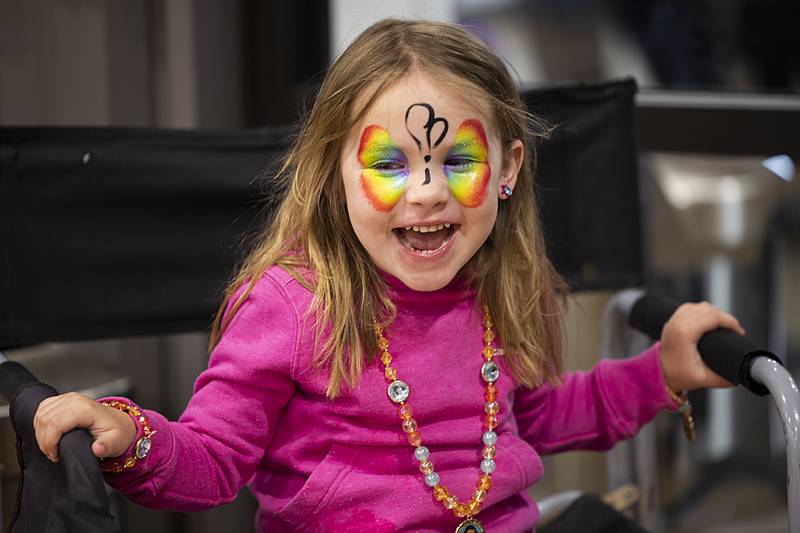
(351, 17)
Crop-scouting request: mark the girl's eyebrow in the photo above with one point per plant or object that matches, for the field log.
(383, 146)
(462, 144)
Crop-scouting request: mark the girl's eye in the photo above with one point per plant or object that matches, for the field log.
(388, 166)
(459, 163)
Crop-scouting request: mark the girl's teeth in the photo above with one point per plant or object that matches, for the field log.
(427, 229)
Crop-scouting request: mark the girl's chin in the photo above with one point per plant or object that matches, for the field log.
(427, 281)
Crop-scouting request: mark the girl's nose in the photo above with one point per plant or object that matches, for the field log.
(428, 192)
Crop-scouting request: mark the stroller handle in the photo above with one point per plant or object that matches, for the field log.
(740, 361)
(727, 353)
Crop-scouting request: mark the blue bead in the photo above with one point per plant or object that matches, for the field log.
(488, 466)
(490, 438)
(421, 453)
(432, 479)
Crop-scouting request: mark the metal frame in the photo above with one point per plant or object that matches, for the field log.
(785, 394)
(635, 460)
(618, 337)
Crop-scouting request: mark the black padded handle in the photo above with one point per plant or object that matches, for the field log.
(725, 352)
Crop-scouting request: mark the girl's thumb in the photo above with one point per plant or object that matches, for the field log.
(100, 448)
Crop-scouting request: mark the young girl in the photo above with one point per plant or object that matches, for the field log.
(389, 356)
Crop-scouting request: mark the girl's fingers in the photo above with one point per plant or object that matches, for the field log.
(57, 415)
(50, 428)
(728, 321)
(112, 430)
(682, 363)
(703, 317)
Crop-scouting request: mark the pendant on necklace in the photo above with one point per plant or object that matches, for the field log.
(470, 525)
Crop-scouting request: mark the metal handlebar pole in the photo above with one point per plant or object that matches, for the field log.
(633, 461)
(786, 395)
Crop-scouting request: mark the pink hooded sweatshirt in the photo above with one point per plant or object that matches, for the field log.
(259, 416)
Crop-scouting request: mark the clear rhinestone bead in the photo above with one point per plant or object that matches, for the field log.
(488, 466)
(398, 391)
(490, 372)
(432, 479)
(489, 438)
(421, 453)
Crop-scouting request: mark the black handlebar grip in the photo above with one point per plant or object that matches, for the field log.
(650, 313)
(725, 352)
(14, 378)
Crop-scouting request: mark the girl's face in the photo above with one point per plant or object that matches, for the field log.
(422, 175)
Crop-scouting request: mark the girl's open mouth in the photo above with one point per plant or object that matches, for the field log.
(426, 240)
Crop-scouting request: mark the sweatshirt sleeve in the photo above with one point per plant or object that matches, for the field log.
(594, 410)
(208, 455)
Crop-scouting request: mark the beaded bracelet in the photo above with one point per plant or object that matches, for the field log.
(685, 409)
(143, 444)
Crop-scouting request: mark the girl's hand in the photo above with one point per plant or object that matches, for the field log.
(113, 430)
(680, 361)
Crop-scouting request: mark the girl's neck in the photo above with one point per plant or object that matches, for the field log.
(401, 294)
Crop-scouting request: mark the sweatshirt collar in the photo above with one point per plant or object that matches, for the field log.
(457, 290)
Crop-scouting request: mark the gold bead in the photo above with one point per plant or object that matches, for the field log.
(405, 411)
(488, 352)
(473, 508)
(491, 421)
(415, 439)
(485, 482)
(383, 343)
(488, 336)
(450, 502)
(489, 452)
(409, 425)
(460, 511)
(491, 408)
(480, 495)
(426, 467)
(386, 358)
(491, 393)
(390, 373)
(440, 492)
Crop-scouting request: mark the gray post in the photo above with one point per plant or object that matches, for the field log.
(786, 396)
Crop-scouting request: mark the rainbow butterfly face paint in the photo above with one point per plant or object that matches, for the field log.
(467, 164)
(384, 168)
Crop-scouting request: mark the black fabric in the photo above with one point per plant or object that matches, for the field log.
(587, 183)
(14, 378)
(590, 514)
(64, 497)
(115, 232)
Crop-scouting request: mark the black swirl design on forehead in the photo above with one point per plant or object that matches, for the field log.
(432, 123)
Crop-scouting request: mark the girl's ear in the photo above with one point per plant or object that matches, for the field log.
(512, 163)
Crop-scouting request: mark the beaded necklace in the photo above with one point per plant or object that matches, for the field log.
(399, 391)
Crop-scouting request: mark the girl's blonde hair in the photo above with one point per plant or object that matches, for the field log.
(311, 229)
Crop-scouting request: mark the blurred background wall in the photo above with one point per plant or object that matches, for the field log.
(720, 82)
